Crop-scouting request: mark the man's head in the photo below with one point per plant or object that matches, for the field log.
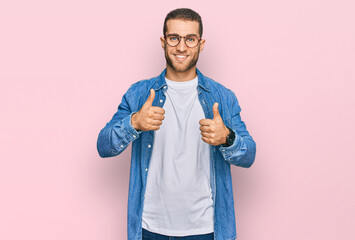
(180, 23)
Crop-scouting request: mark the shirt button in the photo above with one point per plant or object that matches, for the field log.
(122, 146)
(161, 100)
(134, 135)
(149, 146)
(164, 86)
(146, 169)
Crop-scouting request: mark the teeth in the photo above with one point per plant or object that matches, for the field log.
(179, 56)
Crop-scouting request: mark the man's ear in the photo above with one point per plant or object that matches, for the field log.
(202, 44)
(162, 40)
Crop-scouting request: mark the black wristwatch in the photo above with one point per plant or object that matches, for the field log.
(230, 138)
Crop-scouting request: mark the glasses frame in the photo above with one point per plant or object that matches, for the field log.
(177, 35)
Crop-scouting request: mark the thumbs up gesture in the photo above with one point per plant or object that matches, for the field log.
(214, 131)
(148, 117)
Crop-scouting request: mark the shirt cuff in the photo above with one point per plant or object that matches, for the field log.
(234, 149)
(131, 133)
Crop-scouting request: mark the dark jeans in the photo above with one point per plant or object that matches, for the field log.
(146, 235)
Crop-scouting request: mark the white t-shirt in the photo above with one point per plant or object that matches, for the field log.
(178, 197)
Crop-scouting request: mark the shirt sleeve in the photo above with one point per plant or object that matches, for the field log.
(242, 152)
(119, 132)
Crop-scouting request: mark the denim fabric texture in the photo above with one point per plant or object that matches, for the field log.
(147, 235)
(119, 133)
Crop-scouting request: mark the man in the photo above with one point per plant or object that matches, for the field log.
(186, 131)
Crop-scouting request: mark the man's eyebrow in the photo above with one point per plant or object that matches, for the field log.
(180, 35)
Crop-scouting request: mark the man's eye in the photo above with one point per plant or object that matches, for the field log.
(191, 39)
(173, 38)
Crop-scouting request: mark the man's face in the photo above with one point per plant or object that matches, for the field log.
(181, 58)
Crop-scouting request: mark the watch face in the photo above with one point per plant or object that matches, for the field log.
(230, 137)
(229, 140)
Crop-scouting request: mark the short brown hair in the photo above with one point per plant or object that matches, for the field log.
(186, 14)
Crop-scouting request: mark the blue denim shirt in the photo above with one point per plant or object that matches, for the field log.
(119, 133)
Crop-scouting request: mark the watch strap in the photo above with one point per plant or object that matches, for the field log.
(230, 138)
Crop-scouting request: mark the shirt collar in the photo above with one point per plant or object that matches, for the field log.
(201, 81)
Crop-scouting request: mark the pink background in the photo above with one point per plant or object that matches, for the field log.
(64, 66)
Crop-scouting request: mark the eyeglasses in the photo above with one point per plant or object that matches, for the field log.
(190, 40)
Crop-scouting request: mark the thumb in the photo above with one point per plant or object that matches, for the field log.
(151, 97)
(215, 110)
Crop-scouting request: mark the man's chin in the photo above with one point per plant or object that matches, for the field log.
(181, 68)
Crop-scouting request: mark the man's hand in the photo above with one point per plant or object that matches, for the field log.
(214, 131)
(148, 117)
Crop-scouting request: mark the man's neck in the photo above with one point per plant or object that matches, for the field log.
(180, 76)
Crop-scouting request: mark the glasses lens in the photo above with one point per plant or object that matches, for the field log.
(191, 41)
(172, 40)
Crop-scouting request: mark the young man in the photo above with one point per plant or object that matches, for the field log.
(186, 131)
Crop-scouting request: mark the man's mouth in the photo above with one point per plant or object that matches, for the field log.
(180, 57)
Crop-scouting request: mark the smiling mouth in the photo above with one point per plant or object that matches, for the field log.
(180, 58)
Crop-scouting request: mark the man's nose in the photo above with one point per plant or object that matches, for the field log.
(181, 46)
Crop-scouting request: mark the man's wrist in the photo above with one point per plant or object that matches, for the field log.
(229, 138)
(133, 121)
(226, 135)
